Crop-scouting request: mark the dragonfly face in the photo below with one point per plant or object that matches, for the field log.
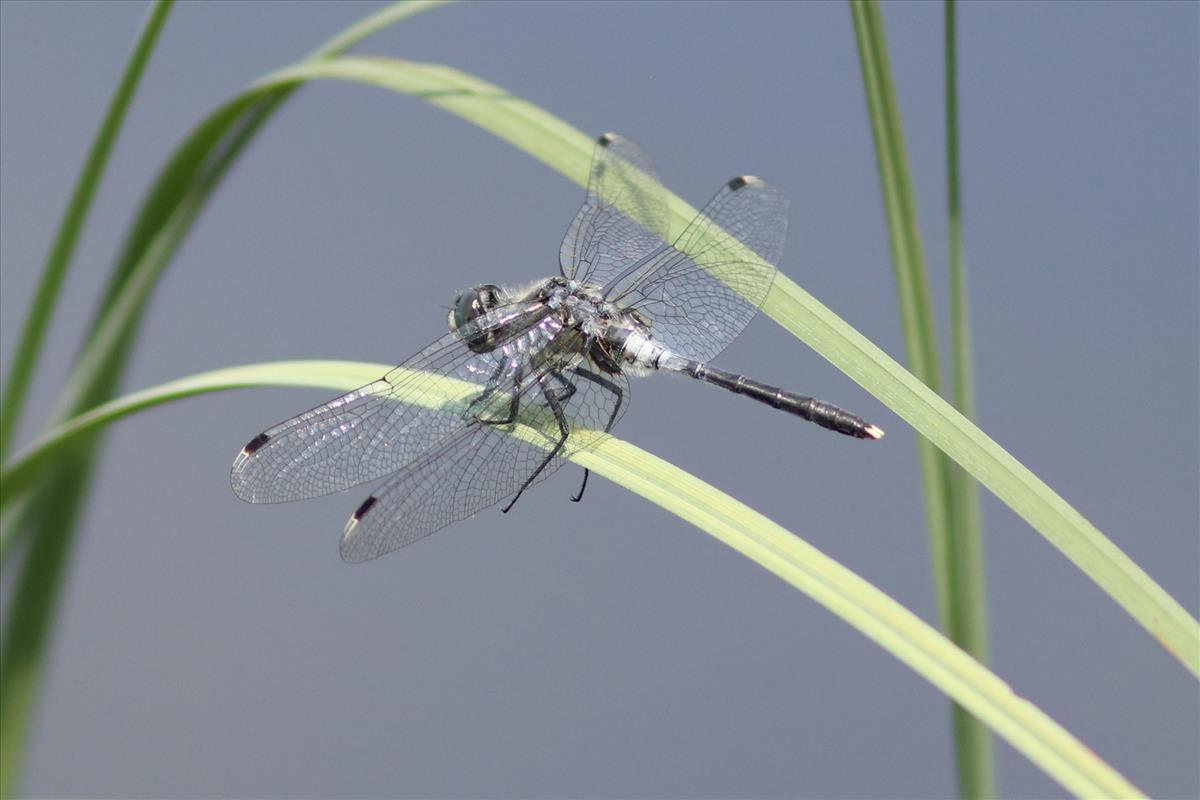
(469, 307)
(545, 369)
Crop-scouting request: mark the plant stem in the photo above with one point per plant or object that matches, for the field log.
(972, 741)
(941, 479)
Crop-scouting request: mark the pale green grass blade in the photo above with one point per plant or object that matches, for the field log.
(877, 616)
(165, 217)
(1064, 527)
(54, 271)
(564, 148)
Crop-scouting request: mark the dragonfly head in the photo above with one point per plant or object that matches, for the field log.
(470, 306)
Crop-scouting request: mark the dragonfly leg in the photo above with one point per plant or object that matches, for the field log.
(555, 404)
(605, 383)
(614, 389)
(582, 486)
(514, 401)
(568, 390)
(488, 390)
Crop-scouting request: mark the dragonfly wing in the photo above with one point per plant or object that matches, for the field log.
(479, 466)
(701, 292)
(622, 220)
(378, 428)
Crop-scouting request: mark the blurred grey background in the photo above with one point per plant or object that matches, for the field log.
(210, 648)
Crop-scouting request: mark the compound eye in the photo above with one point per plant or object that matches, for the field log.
(473, 304)
(470, 306)
(488, 297)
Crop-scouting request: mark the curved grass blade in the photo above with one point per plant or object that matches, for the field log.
(38, 590)
(866, 608)
(165, 217)
(567, 150)
(59, 259)
(562, 147)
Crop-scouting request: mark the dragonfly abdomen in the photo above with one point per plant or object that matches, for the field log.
(827, 415)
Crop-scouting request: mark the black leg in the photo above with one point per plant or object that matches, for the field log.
(568, 393)
(569, 388)
(613, 389)
(582, 486)
(514, 401)
(555, 406)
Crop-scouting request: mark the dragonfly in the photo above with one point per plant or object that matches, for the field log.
(539, 373)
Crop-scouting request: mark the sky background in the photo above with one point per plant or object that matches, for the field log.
(211, 648)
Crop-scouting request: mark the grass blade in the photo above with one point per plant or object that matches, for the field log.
(36, 595)
(54, 271)
(974, 753)
(165, 217)
(557, 144)
(847, 595)
(952, 507)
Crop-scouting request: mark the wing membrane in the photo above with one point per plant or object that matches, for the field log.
(530, 399)
(483, 464)
(378, 428)
(623, 219)
(701, 292)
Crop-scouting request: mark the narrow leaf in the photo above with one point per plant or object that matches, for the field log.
(54, 271)
(866, 608)
(165, 217)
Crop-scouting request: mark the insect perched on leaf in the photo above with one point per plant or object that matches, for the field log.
(537, 374)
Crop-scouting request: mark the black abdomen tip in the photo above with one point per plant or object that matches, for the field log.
(256, 443)
(365, 507)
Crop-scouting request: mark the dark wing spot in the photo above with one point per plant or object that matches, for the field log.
(606, 139)
(739, 182)
(365, 507)
(256, 443)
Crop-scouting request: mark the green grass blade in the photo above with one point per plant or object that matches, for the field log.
(972, 741)
(165, 217)
(965, 494)
(58, 261)
(198, 164)
(953, 534)
(38, 590)
(962, 382)
(847, 595)
(912, 286)
(35, 600)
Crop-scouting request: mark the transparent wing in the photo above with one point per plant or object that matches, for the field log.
(378, 428)
(478, 467)
(701, 292)
(623, 219)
